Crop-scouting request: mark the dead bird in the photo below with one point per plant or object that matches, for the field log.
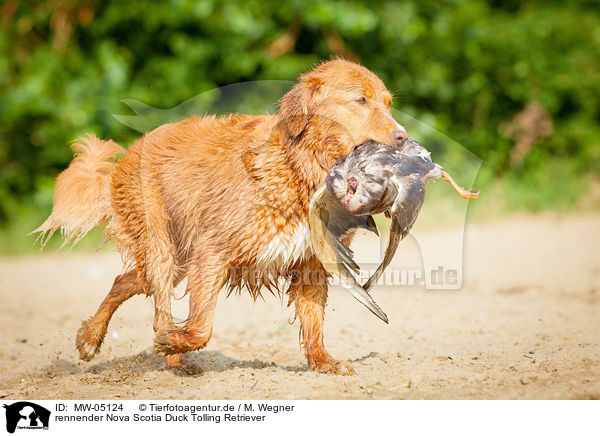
(331, 230)
(371, 180)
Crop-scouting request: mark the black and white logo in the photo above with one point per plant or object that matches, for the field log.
(26, 415)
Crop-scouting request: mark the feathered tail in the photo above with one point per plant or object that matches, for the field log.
(82, 191)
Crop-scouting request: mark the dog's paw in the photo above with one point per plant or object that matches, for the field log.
(89, 340)
(162, 341)
(336, 367)
(174, 340)
(175, 361)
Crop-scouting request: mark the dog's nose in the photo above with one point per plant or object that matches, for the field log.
(400, 137)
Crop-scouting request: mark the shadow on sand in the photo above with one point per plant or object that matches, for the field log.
(197, 363)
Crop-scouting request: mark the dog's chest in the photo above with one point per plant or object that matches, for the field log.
(283, 250)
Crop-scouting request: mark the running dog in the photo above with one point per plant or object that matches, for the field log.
(222, 201)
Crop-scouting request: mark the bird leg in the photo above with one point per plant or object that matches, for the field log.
(468, 194)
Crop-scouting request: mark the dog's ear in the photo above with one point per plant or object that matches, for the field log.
(300, 104)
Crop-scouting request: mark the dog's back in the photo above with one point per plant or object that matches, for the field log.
(218, 180)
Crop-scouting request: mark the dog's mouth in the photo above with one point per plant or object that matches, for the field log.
(368, 142)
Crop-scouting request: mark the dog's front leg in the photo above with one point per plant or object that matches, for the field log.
(308, 291)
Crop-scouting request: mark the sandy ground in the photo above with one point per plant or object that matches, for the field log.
(525, 325)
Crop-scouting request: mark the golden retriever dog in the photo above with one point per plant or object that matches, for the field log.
(222, 201)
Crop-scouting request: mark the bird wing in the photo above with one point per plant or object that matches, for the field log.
(328, 222)
(404, 213)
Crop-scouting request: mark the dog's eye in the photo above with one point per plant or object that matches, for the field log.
(362, 100)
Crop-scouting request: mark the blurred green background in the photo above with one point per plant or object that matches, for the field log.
(516, 83)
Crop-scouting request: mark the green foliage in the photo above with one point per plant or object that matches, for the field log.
(465, 67)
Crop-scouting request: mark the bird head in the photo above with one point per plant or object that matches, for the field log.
(360, 180)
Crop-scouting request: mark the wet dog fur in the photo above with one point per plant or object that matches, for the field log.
(223, 201)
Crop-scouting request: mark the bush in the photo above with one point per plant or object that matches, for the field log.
(465, 67)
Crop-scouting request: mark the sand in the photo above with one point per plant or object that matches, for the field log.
(525, 325)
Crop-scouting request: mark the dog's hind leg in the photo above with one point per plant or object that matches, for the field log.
(206, 277)
(308, 291)
(161, 275)
(91, 334)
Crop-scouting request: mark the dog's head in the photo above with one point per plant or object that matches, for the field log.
(346, 103)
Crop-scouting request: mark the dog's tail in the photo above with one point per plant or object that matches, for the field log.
(82, 191)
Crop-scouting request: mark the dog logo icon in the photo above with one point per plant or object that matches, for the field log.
(26, 415)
